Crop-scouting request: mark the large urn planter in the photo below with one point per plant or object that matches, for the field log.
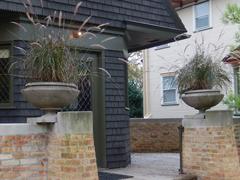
(50, 97)
(202, 100)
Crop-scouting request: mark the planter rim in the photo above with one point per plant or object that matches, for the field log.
(202, 91)
(51, 84)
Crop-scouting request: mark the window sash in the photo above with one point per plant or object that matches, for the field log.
(173, 99)
(202, 19)
(169, 90)
(169, 82)
(205, 11)
(202, 22)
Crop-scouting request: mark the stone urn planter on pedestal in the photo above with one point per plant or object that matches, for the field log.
(50, 97)
(201, 80)
(202, 100)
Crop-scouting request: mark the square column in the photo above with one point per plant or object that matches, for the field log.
(71, 151)
(211, 146)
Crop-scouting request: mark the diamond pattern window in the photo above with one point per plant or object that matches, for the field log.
(5, 79)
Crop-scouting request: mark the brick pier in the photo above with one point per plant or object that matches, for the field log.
(64, 150)
(211, 146)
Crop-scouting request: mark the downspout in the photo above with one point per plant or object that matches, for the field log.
(181, 131)
(146, 84)
(236, 81)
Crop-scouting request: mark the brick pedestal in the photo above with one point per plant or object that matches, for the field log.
(211, 146)
(60, 151)
(71, 148)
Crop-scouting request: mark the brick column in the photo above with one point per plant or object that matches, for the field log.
(211, 146)
(71, 147)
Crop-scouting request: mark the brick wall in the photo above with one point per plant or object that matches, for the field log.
(211, 148)
(23, 156)
(154, 135)
(61, 151)
(75, 159)
(237, 136)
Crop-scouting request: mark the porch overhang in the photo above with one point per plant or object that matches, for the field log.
(142, 36)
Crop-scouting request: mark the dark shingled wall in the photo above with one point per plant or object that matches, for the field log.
(115, 12)
(20, 109)
(117, 117)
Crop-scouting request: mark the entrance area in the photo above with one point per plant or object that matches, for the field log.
(91, 98)
(150, 166)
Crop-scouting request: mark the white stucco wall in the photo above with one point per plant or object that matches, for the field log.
(166, 60)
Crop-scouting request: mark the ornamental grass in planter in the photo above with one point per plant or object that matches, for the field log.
(51, 66)
(201, 79)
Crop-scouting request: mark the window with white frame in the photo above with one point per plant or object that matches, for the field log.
(202, 16)
(169, 90)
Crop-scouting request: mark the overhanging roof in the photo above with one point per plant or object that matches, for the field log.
(147, 23)
(145, 35)
(141, 36)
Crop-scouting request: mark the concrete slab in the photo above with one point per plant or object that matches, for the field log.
(150, 166)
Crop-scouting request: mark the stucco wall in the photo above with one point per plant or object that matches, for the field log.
(169, 59)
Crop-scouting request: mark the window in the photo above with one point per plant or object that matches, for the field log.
(202, 16)
(169, 90)
(5, 79)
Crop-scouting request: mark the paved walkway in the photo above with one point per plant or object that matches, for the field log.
(151, 166)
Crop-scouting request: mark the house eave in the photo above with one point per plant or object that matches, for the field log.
(142, 36)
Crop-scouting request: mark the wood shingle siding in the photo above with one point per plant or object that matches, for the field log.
(115, 12)
(20, 109)
(117, 117)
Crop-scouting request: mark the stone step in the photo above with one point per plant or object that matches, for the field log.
(186, 177)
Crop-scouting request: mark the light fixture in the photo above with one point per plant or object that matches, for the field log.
(76, 34)
(79, 33)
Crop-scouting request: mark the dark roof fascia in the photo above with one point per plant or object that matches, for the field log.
(130, 25)
(134, 25)
(155, 44)
(74, 25)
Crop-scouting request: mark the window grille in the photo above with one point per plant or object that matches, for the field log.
(5, 79)
(84, 100)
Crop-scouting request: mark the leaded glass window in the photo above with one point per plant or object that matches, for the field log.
(5, 79)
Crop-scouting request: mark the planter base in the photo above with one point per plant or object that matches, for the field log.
(48, 118)
(54, 97)
(202, 100)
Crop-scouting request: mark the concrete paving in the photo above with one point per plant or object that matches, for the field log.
(151, 166)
